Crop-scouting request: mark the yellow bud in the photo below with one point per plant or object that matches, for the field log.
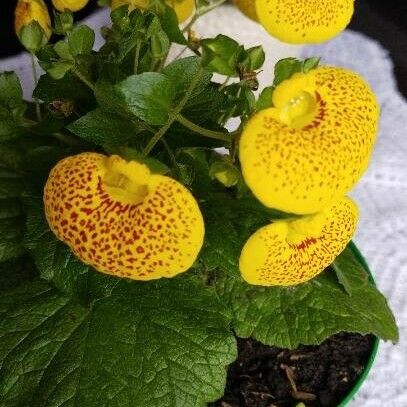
(70, 5)
(183, 8)
(28, 11)
(121, 219)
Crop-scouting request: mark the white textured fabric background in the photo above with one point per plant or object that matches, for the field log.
(382, 193)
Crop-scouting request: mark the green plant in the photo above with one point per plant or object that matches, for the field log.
(72, 336)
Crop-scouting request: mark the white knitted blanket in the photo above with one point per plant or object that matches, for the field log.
(381, 195)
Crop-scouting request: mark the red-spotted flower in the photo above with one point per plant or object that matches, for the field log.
(292, 252)
(121, 219)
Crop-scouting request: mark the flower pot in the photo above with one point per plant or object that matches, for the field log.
(375, 347)
(328, 375)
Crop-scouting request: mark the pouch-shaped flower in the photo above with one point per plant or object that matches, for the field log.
(28, 11)
(183, 8)
(304, 21)
(314, 144)
(292, 252)
(121, 219)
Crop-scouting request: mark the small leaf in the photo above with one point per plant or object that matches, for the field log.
(160, 45)
(169, 23)
(81, 40)
(148, 96)
(256, 58)
(59, 69)
(221, 55)
(32, 36)
(265, 99)
(63, 50)
(285, 68)
(310, 63)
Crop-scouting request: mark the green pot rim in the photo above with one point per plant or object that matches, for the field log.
(375, 347)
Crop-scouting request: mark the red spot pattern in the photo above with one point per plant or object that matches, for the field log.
(158, 237)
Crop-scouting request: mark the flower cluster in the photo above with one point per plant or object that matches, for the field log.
(302, 156)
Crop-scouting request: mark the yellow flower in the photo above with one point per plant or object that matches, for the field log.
(314, 144)
(119, 218)
(28, 11)
(71, 5)
(248, 8)
(183, 8)
(292, 252)
(304, 21)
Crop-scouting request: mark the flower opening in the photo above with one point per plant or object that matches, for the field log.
(292, 252)
(119, 218)
(314, 144)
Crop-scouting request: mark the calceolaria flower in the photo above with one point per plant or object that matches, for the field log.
(314, 144)
(28, 11)
(183, 8)
(304, 21)
(69, 5)
(292, 252)
(121, 219)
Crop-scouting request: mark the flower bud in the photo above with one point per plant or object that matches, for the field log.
(70, 5)
(35, 35)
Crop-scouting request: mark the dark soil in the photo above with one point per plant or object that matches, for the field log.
(318, 376)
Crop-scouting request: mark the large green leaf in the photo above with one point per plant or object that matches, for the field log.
(162, 344)
(148, 96)
(307, 313)
(101, 127)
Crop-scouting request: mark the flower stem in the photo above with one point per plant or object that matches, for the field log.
(174, 114)
(83, 78)
(202, 11)
(137, 57)
(34, 71)
(217, 135)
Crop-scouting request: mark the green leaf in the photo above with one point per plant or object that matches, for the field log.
(350, 272)
(148, 96)
(160, 45)
(307, 313)
(69, 87)
(32, 36)
(221, 55)
(285, 68)
(81, 40)
(161, 344)
(265, 99)
(11, 229)
(183, 71)
(12, 106)
(11, 184)
(59, 69)
(170, 24)
(16, 272)
(256, 58)
(310, 63)
(101, 127)
(11, 93)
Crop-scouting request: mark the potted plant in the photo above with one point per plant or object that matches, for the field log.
(137, 258)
